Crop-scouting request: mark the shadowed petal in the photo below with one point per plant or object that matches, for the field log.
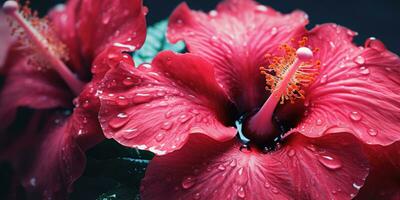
(235, 38)
(121, 23)
(330, 167)
(27, 86)
(358, 88)
(383, 182)
(47, 158)
(156, 106)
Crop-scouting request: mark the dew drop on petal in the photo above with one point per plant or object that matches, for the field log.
(221, 167)
(274, 31)
(184, 118)
(357, 186)
(375, 44)
(291, 152)
(241, 193)
(275, 190)
(267, 185)
(329, 162)
(355, 116)
(324, 78)
(233, 163)
(364, 70)
(188, 182)
(372, 132)
(119, 121)
(166, 125)
(213, 13)
(160, 136)
(196, 196)
(129, 81)
(359, 60)
(319, 122)
(261, 8)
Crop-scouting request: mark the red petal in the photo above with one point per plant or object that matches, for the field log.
(26, 86)
(121, 23)
(330, 167)
(49, 160)
(63, 21)
(357, 88)
(6, 39)
(384, 179)
(235, 38)
(156, 107)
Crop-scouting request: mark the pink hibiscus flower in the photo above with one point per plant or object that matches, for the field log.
(57, 60)
(326, 99)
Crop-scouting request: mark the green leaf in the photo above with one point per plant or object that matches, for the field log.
(111, 165)
(156, 41)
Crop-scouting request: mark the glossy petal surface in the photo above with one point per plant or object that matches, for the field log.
(156, 106)
(27, 86)
(119, 23)
(330, 167)
(235, 38)
(358, 88)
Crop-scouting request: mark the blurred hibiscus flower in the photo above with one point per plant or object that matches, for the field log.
(57, 61)
(330, 108)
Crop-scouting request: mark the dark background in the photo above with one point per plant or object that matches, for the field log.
(377, 18)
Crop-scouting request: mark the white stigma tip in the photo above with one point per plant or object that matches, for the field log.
(304, 53)
(10, 7)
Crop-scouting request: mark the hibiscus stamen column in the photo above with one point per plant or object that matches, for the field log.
(286, 78)
(50, 49)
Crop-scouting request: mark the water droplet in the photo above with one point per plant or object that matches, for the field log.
(213, 13)
(221, 167)
(161, 93)
(129, 133)
(357, 186)
(179, 22)
(275, 190)
(324, 78)
(242, 177)
(274, 31)
(359, 60)
(233, 163)
(86, 104)
(106, 19)
(184, 118)
(355, 116)
(142, 98)
(372, 132)
(241, 193)
(166, 125)
(32, 181)
(188, 182)
(196, 196)
(160, 137)
(364, 70)
(122, 101)
(375, 44)
(119, 121)
(261, 8)
(307, 102)
(127, 46)
(291, 152)
(332, 44)
(319, 122)
(329, 162)
(129, 81)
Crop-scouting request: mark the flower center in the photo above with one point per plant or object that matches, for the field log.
(36, 35)
(286, 78)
